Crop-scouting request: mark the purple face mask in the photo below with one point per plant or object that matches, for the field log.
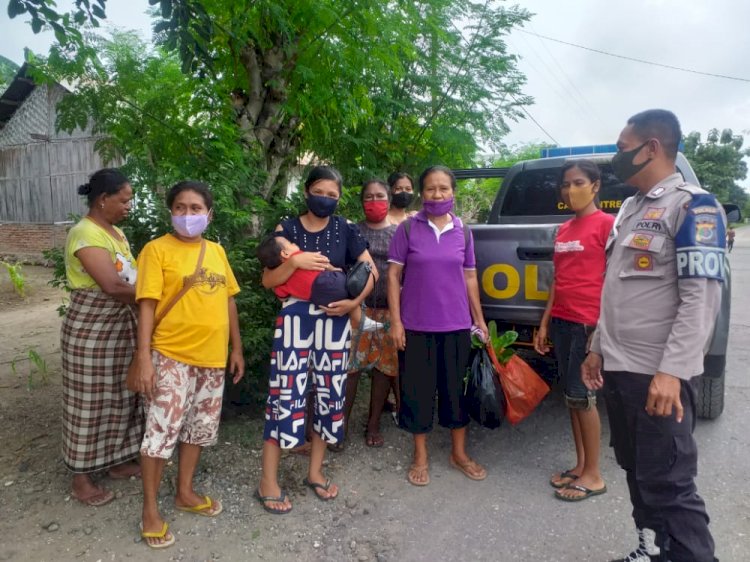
(438, 208)
(190, 225)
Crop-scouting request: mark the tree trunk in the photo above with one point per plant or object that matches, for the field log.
(266, 128)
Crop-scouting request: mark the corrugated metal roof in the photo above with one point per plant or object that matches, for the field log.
(19, 89)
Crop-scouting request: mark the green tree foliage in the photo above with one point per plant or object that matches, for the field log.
(66, 25)
(238, 92)
(718, 163)
(161, 126)
(371, 86)
(8, 70)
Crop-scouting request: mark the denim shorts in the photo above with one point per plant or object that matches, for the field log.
(570, 339)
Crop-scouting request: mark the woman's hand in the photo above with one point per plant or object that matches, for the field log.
(591, 371)
(482, 325)
(340, 308)
(314, 261)
(540, 340)
(143, 379)
(398, 335)
(236, 365)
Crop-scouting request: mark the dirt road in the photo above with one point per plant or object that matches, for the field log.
(378, 517)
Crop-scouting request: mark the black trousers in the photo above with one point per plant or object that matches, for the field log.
(433, 362)
(660, 458)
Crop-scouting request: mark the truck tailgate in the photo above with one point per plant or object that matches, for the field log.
(514, 268)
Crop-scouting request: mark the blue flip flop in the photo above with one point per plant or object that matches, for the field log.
(268, 508)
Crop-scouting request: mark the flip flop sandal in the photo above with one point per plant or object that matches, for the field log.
(587, 493)
(565, 474)
(104, 497)
(314, 486)
(423, 468)
(465, 469)
(158, 535)
(210, 508)
(275, 510)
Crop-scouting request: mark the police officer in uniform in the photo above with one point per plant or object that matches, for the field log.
(660, 300)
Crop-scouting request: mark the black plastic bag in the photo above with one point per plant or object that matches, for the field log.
(484, 394)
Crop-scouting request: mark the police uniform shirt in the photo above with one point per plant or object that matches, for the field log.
(662, 287)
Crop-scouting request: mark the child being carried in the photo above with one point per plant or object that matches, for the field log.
(319, 287)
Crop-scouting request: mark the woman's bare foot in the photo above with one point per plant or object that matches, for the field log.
(88, 493)
(125, 470)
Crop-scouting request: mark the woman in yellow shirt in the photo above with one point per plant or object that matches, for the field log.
(185, 294)
(102, 423)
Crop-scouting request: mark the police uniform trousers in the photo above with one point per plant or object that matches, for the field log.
(660, 458)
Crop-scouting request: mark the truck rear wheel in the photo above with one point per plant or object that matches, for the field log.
(710, 397)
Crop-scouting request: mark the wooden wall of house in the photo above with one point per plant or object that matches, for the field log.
(40, 167)
(39, 181)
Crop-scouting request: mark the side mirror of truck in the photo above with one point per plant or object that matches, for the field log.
(733, 212)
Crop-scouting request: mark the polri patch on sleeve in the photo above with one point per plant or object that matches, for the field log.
(701, 240)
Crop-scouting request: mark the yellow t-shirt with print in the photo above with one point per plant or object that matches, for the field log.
(87, 234)
(196, 330)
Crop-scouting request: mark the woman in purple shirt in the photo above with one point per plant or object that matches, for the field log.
(433, 297)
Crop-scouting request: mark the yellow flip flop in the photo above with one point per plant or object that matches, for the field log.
(204, 509)
(158, 535)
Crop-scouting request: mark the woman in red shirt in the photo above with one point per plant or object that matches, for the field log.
(573, 308)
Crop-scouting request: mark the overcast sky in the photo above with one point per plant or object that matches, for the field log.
(582, 97)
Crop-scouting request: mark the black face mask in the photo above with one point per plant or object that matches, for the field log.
(622, 163)
(321, 206)
(402, 200)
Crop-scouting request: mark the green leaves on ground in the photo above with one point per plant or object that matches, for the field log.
(16, 277)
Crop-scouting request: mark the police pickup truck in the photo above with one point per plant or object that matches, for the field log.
(514, 250)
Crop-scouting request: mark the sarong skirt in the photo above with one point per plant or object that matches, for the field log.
(102, 422)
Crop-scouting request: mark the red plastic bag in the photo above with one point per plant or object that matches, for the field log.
(523, 388)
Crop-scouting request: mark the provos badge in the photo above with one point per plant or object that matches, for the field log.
(654, 213)
(644, 262)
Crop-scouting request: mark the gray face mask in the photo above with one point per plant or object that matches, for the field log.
(622, 163)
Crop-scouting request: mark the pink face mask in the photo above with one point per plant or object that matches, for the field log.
(190, 225)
